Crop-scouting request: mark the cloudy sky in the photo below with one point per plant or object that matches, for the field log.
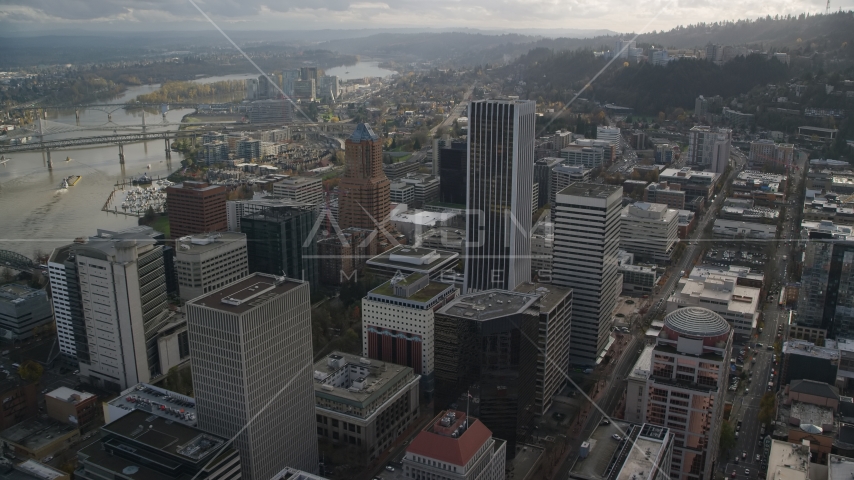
(159, 15)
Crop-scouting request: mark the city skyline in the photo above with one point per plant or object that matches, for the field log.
(573, 17)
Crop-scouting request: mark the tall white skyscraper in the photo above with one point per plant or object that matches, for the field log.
(250, 348)
(587, 236)
(499, 178)
(109, 295)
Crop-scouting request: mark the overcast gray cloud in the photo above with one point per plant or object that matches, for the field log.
(618, 15)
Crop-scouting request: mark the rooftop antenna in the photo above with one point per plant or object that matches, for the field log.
(827, 8)
(468, 397)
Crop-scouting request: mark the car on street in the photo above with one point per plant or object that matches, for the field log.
(605, 422)
(758, 457)
(616, 437)
(732, 474)
(744, 454)
(747, 471)
(389, 468)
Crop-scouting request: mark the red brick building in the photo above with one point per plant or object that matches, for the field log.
(17, 401)
(196, 207)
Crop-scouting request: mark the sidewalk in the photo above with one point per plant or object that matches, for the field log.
(377, 466)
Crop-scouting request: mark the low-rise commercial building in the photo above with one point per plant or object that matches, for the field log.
(408, 259)
(694, 184)
(789, 461)
(23, 312)
(763, 152)
(301, 189)
(206, 262)
(584, 156)
(644, 452)
(649, 231)
(639, 280)
(721, 294)
(803, 360)
(425, 187)
(143, 446)
(70, 406)
(734, 229)
(365, 404)
(37, 438)
(17, 400)
(455, 447)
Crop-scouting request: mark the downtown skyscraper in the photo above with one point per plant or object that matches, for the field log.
(587, 236)
(364, 191)
(498, 187)
(250, 349)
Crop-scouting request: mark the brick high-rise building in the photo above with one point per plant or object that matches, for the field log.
(196, 207)
(364, 192)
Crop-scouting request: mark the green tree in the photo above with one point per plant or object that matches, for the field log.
(767, 408)
(30, 371)
(417, 145)
(727, 440)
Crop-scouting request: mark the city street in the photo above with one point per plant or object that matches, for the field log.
(746, 404)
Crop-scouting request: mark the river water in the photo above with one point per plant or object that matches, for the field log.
(36, 215)
(360, 70)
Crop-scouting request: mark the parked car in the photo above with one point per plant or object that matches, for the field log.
(616, 437)
(389, 468)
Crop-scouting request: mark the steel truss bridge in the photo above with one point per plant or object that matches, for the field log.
(16, 261)
(94, 140)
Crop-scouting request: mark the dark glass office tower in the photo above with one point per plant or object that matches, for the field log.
(499, 181)
(486, 347)
(452, 173)
(278, 241)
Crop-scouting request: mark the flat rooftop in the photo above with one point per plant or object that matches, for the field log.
(642, 457)
(247, 293)
(601, 451)
(36, 433)
(550, 295)
(806, 413)
(840, 468)
(788, 461)
(425, 295)
(273, 201)
(703, 271)
(489, 304)
(159, 401)
(69, 395)
(589, 190)
(355, 381)
(808, 349)
(41, 470)
(206, 242)
(643, 367)
(16, 293)
(171, 438)
(412, 259)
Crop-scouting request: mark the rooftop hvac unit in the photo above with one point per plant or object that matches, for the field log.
(328, 388)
